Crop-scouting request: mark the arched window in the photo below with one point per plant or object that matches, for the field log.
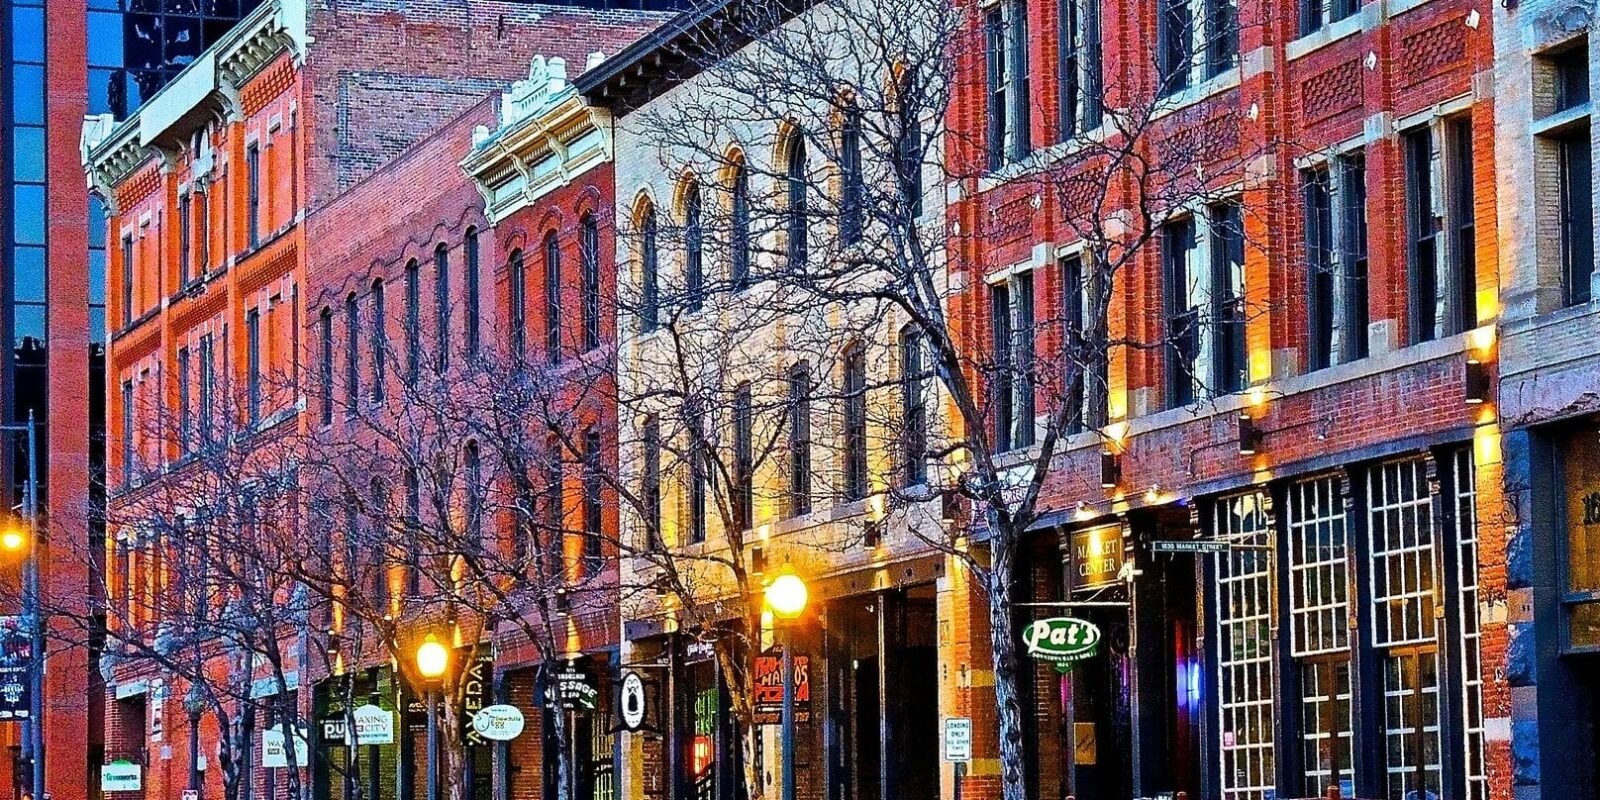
(795, 224)
(851, 190)
(855, 422)
(325, 335)
(517, 277)
(649, 270)
(441, 263)
(413, 320)
(472, 467)
(552, 298)
(589, 253)
(739, 228)
(469, 248)
(800, 439)
(352, 351)
(379, 342)
(693, 258)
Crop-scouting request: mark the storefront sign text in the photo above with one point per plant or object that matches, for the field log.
(1061, 640)
(1097, 556)
(769, 688)
(121, 776)
(499, 723)
(632, 701)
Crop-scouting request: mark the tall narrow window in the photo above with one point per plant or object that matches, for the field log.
(700, 471)
(1321, 272)
(1245, 677)
(413, 523)
(1565, 153)
(352, 352)
(694, 275)
(185, 235)
(413, 321)
(127, 280)
(517, 278)
(1227, 296)
(1182, 312)
(1319, 622)
(739, 227)
(378, 546)
(1422, 235)
(649, 271)
(1006, 53)
(185, 411)
(252, 327)
(325, 362)
(1004, 389)
(1079, 67)
(851, 190)
(589, 253)
(1012, 316)
(469, 250)
(379, 341)
(743, 457)
(797, 177)
(1222, 36)
(1175, 51)
(651, 490)
(593, 510)
(208, 388)
(554, 508)
(1460, 212)
(908, 157)
(128, 417)
(1077, 354)
(855, 423)
(441, 265)
(202, 226)
(252, 160)
(1353, 251)
(472, 468)
(1577, 218)
(799, 439)
(913, 407)
(552, 298)
(1316, 13)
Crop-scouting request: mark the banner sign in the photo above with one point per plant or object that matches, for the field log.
(374, 725)
(121, 776)
(475, 690)
(274, 755)
(1061, 640)
(16, 659)
(633, 701)
(499, 723)
(769, 688)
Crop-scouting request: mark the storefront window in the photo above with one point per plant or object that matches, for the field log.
(1470, 640)
(1581, 488)
(1319, 611)
(1244, 661)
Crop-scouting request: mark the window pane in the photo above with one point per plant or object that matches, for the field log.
(27, 34)
(97, 324)
(27, 87)
(29, 210)
(29, 322)
(30, 268)
(97, 276)
(1245, 649)
(28, 143)
(105, 39)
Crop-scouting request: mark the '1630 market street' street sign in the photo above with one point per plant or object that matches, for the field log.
(1061, 640)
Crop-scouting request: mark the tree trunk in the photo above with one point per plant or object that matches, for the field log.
(752, 769)
(565, 769)
(1003, 551)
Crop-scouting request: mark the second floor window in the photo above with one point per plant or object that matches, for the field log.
(797, 178)
(352, 352)
(651, 490)
(739, 227)
(552, 298)
(649, 272)
(252, 160)
(851, 189)
(1334, 197)
(1440, 248)
(441, 265)
(593, 508)
(1230, 368)
(517, 289)
(743, 457)
(413, 320)
(1564, 157)
(913, 407)
(1079, 68)
(1005, 27)
(185, 409)
(208, 387)
(694, 276)
(1011, 316)
(1316, 13)
(1199, 39)
(589, 254)
(325, 363)
(799, 439)
(379, 342)
(855, 423)
(252, 328)
(469, 252)
(1182, 302)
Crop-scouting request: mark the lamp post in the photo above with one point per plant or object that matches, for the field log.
(194, 702)
(432, 661)
(786, 597)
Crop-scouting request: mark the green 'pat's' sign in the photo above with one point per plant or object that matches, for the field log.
(1061, 640)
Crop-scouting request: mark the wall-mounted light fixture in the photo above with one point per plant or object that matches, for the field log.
(1110, 469)
(758, 560)
(1249, 436)
(1478, 381)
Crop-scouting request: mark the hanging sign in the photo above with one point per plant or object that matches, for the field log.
(374, 725)
(958, 739)
(121, 776)
(274, 755)
(499, 723)
(1061, 640)
(570, 687)
(1191, 546)
(1097, 557)
(16, 659)
(632, 701)
(769, 688)
(475, 693)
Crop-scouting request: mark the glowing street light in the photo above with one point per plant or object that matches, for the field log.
(787, 595)
(13, 539)
(432, 658)
(432, 661)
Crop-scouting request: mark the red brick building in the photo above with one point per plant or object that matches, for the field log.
(232, 196)
(1299, 378)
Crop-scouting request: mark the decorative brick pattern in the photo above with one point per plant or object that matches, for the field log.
(1331, 91)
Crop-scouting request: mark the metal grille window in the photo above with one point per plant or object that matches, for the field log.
(1319, 612)
(1471, 640)
(1405, 581)
(1244, 655)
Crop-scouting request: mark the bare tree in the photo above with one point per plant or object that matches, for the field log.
(807, 272)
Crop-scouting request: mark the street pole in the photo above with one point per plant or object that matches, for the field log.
(788, 716)
(433, 744)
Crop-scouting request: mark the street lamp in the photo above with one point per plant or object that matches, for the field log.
(432, 661)
(13, 539)
(25, 540)
(786, 597)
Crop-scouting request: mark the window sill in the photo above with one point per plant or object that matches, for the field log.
(1561, 122)
(1194, 95)
(1042, 159)
(1328, 34)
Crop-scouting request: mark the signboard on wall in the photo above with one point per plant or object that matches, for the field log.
(1061, 640)
(16, 659)
(475, 691)
(1096, 556)
(121, 776)
(769, 688)
(571, 687)
(275, 755)
(374, 725)
(958, 739)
